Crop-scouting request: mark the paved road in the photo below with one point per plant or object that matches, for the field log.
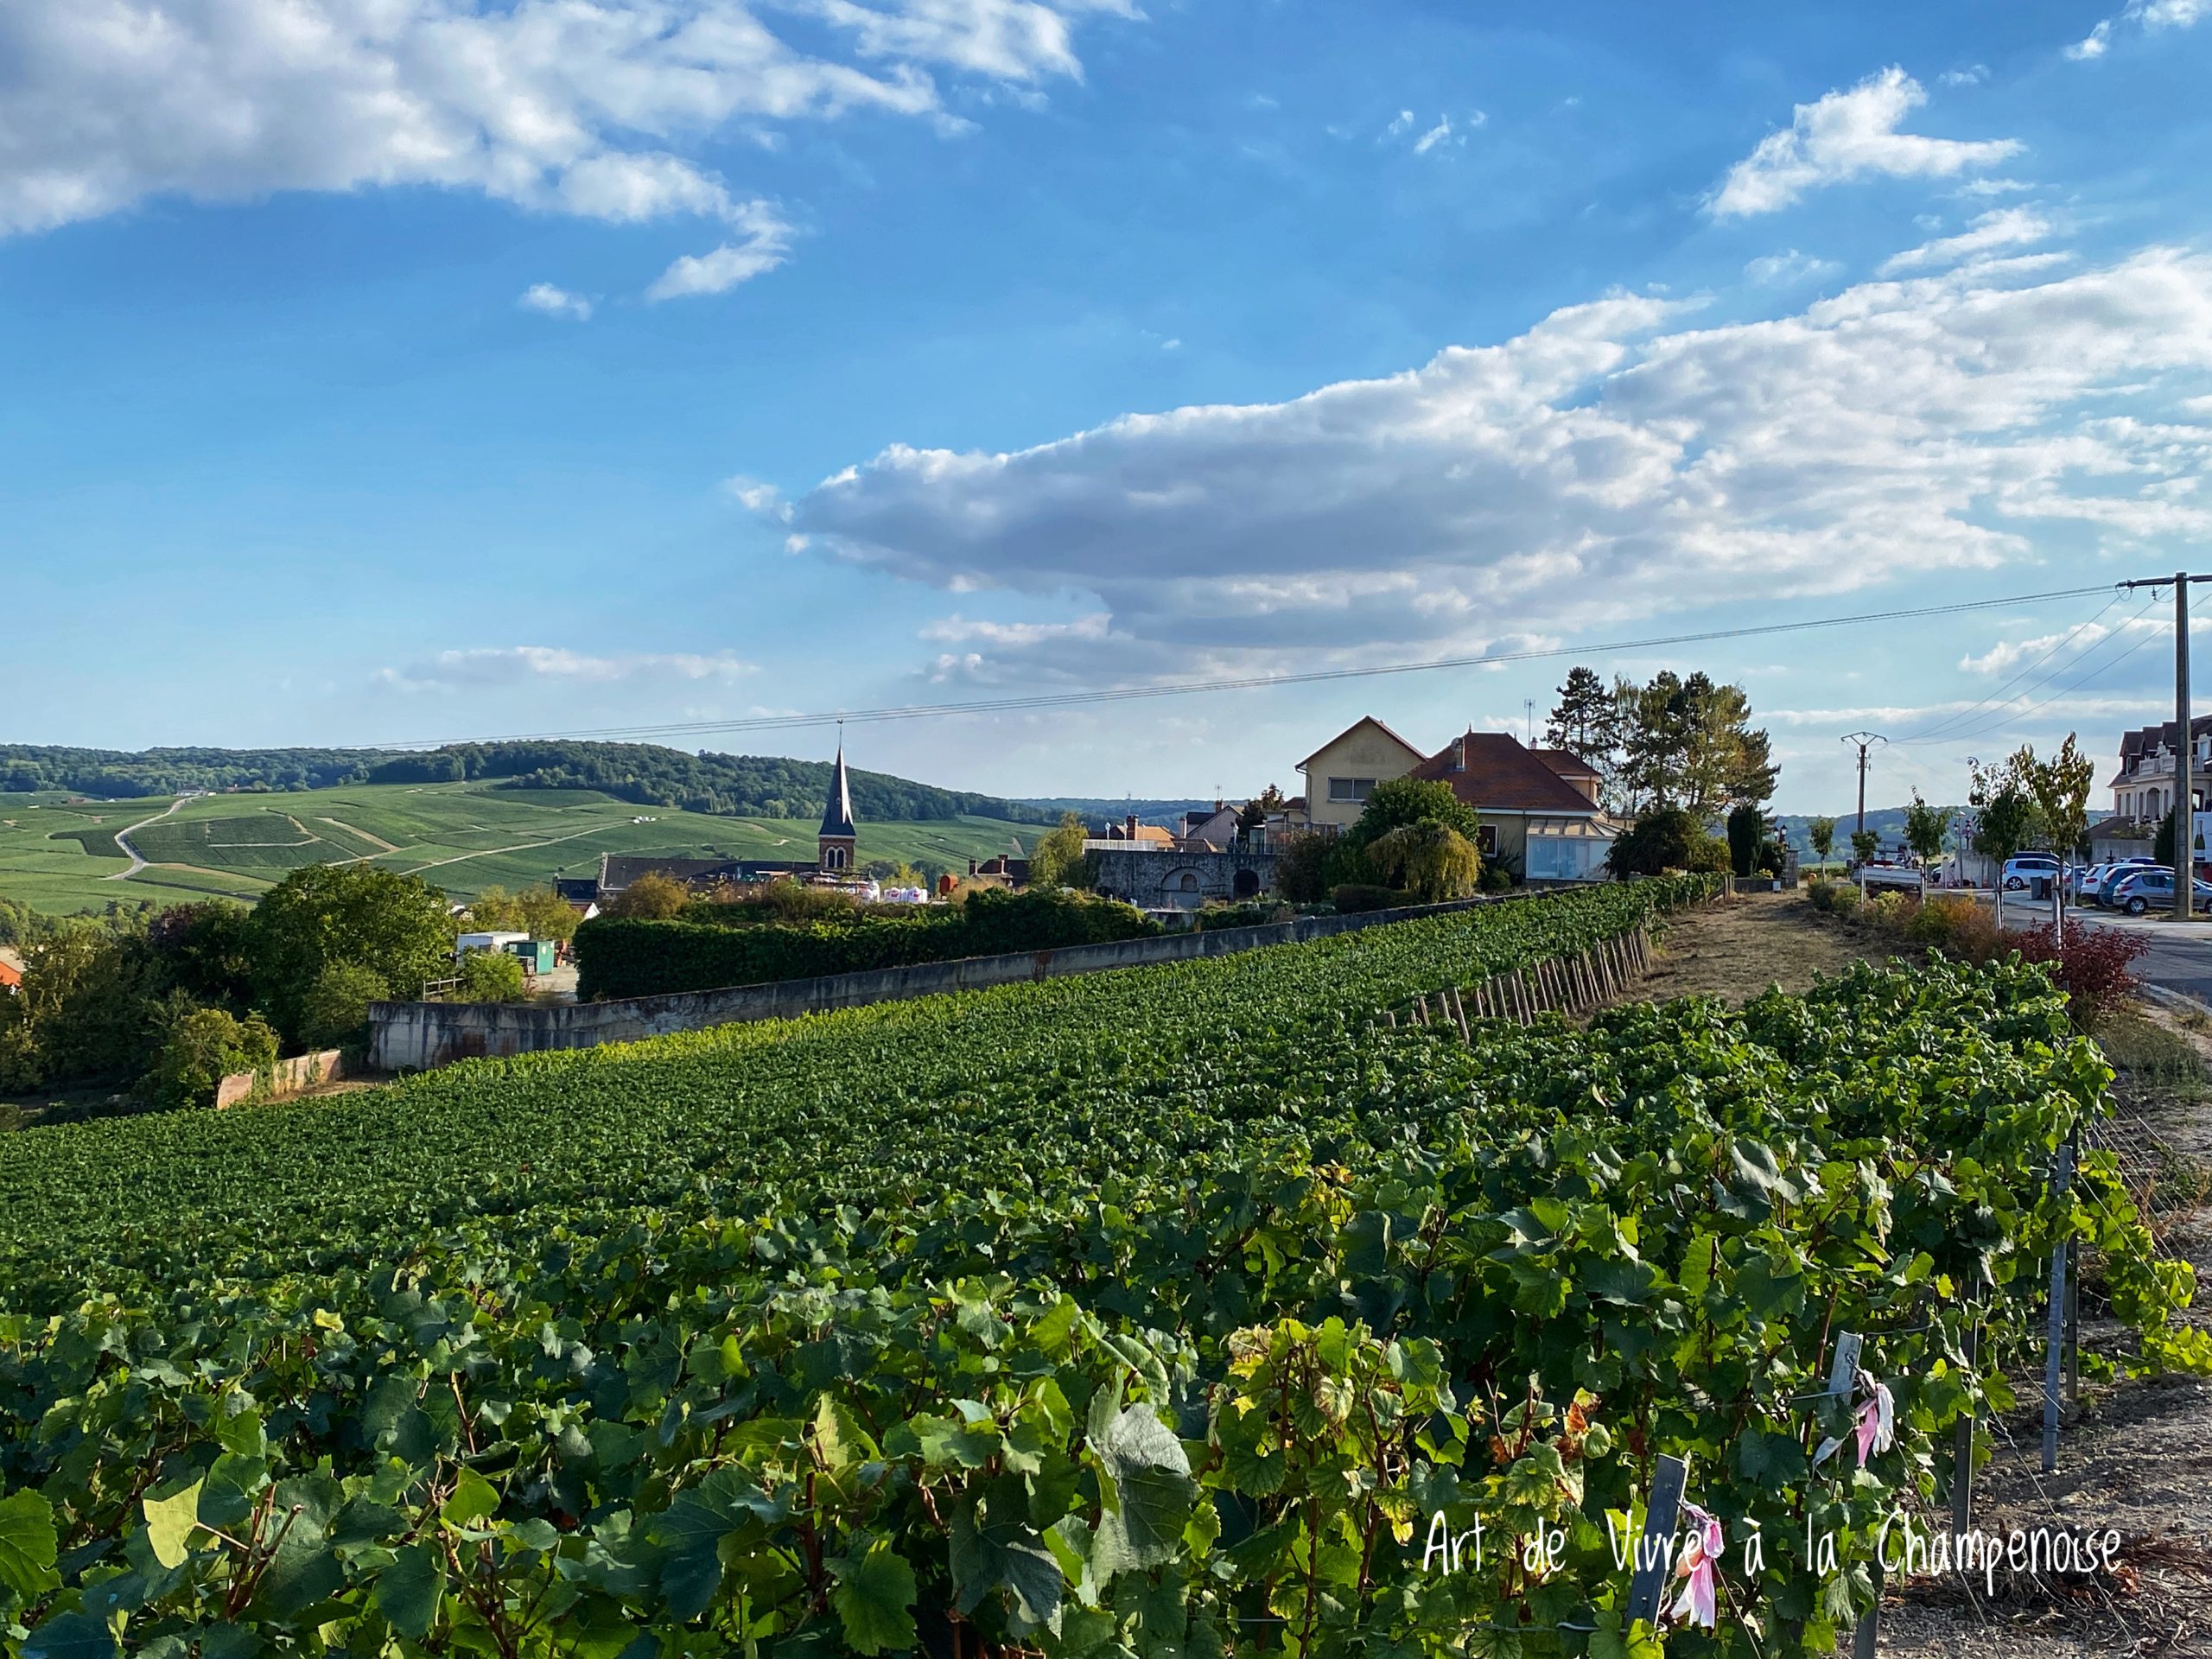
(2180, 955)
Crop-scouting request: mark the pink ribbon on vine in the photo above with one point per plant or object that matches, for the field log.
(1876, 1429)
(1699, 1603)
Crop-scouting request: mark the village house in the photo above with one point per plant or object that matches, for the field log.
(1342, 774)
(2143, 788)
(1540, 811)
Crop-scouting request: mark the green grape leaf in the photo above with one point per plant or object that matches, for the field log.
(874, 1598)
(27, 1544)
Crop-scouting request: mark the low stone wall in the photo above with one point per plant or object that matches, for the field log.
(285, 1078)
(418, 1036)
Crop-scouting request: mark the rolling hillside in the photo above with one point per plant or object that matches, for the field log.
(61, 857)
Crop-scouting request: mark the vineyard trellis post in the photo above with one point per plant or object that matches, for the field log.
(1669, 1476)
(2061, 1179)
(1962, 1442)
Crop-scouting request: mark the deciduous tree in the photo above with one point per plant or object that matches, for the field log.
(1821, 832)
(1925, 826)
(1057, 859)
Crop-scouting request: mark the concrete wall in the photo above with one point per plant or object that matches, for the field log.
(417, 1036)
(286, 1077)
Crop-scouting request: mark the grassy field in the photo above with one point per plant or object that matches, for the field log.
(61, 857)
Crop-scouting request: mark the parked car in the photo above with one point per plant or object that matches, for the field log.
(2153, 889)
(2088, 884)
(2029, 873)
(2117, 873)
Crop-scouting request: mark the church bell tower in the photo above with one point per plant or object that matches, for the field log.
(839, 839)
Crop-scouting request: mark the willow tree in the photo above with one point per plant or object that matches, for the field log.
(1428, 859)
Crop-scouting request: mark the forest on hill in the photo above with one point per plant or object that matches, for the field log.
(769, 786)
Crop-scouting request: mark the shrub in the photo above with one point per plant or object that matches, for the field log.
(1844, 899)
(776, 901)
(1708, 856)
(1302, 868)
(1496, 878)
(488, 976)
(202, 1047)
(1260, 913)
(335, 1011)
(652, 897)
(1660, 840)
(2095, 966)
(1891, 910)
(620, 957)
(1820, 893)
(1745, 826)
(1354, 896)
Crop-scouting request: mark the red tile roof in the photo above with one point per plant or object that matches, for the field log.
(1566, 763)
(11, 975)
(1498, 773)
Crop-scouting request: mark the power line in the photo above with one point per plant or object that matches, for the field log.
(2015, 716)
(1191, 688)
(1930, 733)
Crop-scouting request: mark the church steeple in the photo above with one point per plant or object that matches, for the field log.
(840, 838)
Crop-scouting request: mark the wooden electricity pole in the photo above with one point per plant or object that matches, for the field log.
(2184, 745)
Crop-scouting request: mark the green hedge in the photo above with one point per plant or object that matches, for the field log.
(617, 956)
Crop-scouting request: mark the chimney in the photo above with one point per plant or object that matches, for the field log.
(1130, 829)
(971, 866)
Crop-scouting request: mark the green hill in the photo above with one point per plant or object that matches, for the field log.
(732, 786)
(61, 856)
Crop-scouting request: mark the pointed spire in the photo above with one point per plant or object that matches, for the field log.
(837, 816)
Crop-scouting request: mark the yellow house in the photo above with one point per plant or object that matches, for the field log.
(1343, 772)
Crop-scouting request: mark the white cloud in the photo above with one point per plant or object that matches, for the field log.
(2151, 15)
(1848, 135)
(2003, 227)
(577, 106)
(763, 242)
(1789, 268)
(499, 665)
(554, 301)
(1435, 135)
(1972, 75)
(756, 497)
(1403, 124)
(1611, 463)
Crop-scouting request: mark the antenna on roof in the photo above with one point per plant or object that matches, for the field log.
(1529, 716)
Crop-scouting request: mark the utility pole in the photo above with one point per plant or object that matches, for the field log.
(1865, 740)
(2184, 745)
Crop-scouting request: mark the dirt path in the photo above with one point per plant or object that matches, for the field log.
(1737, 949)
(378, 841)
(122, 839)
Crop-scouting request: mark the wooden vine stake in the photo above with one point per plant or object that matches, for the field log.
(1669, 1476)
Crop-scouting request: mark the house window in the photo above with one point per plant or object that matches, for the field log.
(1486, 840)
(1189, 883)
(1351, 789)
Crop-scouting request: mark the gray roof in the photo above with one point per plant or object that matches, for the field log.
(837, 816)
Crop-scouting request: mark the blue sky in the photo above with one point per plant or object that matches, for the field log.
(397, 370)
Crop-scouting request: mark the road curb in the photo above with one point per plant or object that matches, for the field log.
(2173, 999)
